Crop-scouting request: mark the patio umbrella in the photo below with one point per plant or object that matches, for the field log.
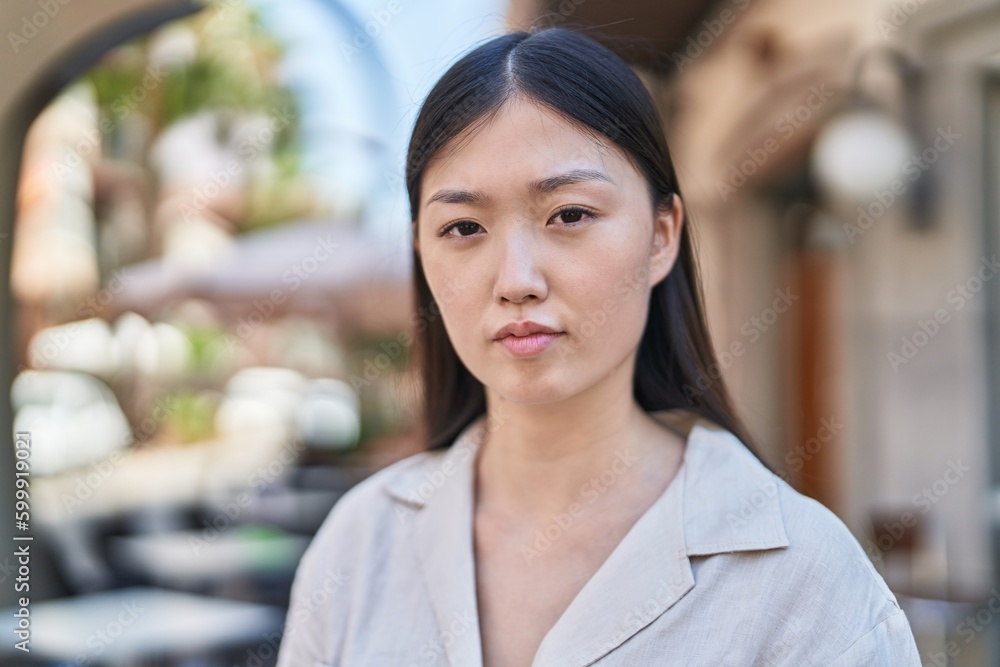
(320, 268)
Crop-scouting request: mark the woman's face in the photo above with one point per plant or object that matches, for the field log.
(532, 220)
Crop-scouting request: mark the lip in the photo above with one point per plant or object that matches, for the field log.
(522, 329)
(528, 346)
(526, 339)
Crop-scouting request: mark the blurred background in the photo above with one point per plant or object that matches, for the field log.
(205, 247)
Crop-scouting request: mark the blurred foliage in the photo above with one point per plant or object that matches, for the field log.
(378, 364)
(281, 197)
(369, 345)
(192, 415)
(234, 66)
(208, 346)
(221, 60)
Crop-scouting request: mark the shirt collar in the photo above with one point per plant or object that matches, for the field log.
(730, 499)
(722, 499)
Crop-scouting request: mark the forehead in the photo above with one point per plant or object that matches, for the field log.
(522, 141)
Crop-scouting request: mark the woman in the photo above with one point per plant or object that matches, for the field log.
(585, 499)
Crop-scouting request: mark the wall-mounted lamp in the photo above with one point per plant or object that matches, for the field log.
(868, 156)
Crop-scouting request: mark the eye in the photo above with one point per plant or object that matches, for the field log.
(467, 225)
(573, 214)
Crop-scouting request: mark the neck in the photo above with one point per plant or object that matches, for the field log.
(599, 449)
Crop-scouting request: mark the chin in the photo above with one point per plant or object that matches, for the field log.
(533, 390)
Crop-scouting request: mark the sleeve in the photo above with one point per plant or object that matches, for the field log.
(888, 644)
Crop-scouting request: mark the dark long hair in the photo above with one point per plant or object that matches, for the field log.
(594, 89)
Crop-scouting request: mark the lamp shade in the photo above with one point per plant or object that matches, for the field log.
(860, 153)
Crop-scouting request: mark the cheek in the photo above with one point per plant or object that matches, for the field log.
(611, 296)
(458, 302)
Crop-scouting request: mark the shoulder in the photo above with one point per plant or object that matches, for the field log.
(361, 542)
(736, 504)
(834, 593)
(817, 592)
(812, 588)
(824, 548)
(375, 506)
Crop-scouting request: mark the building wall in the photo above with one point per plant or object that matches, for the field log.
(904, 428)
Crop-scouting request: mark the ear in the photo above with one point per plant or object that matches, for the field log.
(413, 236)
(666, 238)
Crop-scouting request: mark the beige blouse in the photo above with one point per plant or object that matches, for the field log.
(729, 566)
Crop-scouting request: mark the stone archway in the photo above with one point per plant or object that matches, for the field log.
(50, 43)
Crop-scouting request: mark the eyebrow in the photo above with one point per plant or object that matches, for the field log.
(541, 186)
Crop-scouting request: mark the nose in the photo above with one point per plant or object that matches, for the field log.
(519, 276)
